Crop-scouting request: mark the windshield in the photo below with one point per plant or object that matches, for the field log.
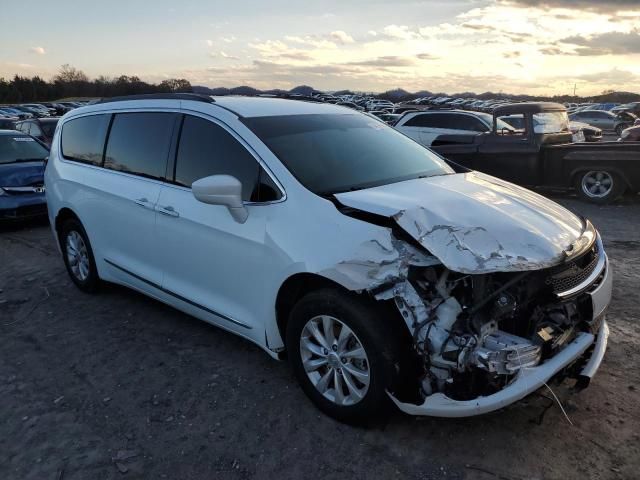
(337, 153)
(550, 122)
(20, 148)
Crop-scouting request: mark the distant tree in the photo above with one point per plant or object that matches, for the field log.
(176, 85)
(69, 74)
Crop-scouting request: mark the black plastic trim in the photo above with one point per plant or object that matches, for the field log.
(195, 97)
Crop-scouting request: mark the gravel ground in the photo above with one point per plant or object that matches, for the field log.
(117, 385)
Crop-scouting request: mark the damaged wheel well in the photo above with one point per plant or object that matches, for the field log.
(300, 284)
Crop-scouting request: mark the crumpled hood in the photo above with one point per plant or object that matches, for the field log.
(21, 174)
(475, 223)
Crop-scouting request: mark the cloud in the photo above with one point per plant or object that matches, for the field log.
(38, 50)
(229, 39)
(400, 32)
(610, 43)
(228, 56)
(314, 41)
(297, 55)
(341, 37)
(593, 5)
(514, 54)
(385, 61)
(610, 78)
(426, 56)
(210, 43)
(552, 51)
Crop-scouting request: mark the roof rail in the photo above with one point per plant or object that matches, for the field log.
(196, 97)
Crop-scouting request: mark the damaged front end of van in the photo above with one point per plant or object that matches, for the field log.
(501, 290)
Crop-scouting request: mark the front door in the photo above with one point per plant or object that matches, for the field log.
(210, 260)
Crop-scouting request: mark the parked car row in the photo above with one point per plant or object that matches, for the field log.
(38, 110)
(588, 120)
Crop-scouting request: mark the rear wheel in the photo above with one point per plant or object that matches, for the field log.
(344, 353)
(78, 256)
(599, 186)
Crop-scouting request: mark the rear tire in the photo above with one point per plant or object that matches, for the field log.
(325, 368)
(78, 256)
(599, 186)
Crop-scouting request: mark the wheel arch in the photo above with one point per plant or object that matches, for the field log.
(299, 284)
(293, 289)
(64, 214)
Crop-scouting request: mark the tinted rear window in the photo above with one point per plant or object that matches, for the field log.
(83, 138)
(139, 143)
(425, 120)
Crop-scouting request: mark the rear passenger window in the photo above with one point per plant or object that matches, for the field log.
(207, 149)
(83, 138)
(139, 143)
(424, 120)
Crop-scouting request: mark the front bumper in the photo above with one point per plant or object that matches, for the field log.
(23, 206)
(530, 379)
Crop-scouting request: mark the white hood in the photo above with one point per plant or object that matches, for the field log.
(475, 223)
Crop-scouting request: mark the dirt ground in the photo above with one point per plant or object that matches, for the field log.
(117, 385)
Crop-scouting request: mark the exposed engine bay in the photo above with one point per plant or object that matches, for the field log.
(473, 333)
(493, 311)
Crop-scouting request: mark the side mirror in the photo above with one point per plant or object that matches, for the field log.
(222, 190)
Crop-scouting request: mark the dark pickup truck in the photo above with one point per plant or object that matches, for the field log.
(538, 152)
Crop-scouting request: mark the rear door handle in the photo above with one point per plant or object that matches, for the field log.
(169, 211)
(143, 202)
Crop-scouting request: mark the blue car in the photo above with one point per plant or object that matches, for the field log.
(22, 161)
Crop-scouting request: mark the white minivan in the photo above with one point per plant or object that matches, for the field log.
(330, 239)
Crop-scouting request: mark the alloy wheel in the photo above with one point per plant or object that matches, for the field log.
(77, 256)
(334, 360)
(597, 184)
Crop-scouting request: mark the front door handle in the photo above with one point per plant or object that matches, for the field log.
(169, 211)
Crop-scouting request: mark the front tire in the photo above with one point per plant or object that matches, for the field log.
(78, 256)
(599, 186)
(344, 353)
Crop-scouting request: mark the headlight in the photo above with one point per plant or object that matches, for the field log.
(2, 192)
(625, 134)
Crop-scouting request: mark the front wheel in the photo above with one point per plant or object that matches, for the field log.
(344, 353)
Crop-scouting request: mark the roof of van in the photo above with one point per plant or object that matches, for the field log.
(241, 106)
(266, 107)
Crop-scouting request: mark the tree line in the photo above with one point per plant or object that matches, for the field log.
(71, 82)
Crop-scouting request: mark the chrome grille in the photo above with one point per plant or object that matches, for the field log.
(572, 274)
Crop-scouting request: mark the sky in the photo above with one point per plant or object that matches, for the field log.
(544, 47)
